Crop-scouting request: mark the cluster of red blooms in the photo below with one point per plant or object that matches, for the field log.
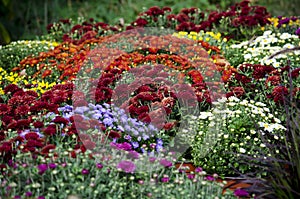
(191, 19)
(256, 73)
(79, 33)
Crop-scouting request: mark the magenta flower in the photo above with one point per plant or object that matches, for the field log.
(99, 165)
(52, 165)
(191, 176)
(28, 194)
(126, 166)
(198, 170)
(165, 179)
(41, 197)
(241, 193)
(165, 163)
(85, 171)
(42, 168)
(209, 178)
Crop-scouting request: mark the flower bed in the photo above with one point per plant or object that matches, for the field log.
(102, 111)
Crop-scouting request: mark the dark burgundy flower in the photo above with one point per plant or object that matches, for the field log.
(155, 11)
(273, 80)
(50, 130)
(182, 18)
(22, 110)
(244, 3)
(47, 148)
(167, 9)
(23, 123)
(140, 22)
(114, 134)
(31, 136)
(60, 120)
(38, 124)
(4, 109)
(11, 88)
(296, 72)
(279, 93)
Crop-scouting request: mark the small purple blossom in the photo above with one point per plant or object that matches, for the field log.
(85, 172)
(41, 197)
(165, 179)
(52, 165)
(165, 163)
(191, 176)
(198, 169)
(241, 193)
(42, 168)
(17, 197)
(126, 166)
(152, 159)
(99, 165)
(298, 31)
(28, 194)
(209, 178)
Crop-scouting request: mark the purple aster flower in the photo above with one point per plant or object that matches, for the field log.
(41, 197)
(165, 179)
(17, 197)
(241, 193)
(52, 165)
(165, 163)
(135, 145)
(126, 166)
(42, 168)
(108, 121)
(99, 165)
(81, 109)
(85, 171)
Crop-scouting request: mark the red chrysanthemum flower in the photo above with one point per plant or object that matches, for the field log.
(31, 136)
(4, 109)
(279, 93)
(11, 88)
(47, 148)
(50, 130)
(60, 120)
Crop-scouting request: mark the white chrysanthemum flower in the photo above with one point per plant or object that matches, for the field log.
(242, 150)
(205, 115)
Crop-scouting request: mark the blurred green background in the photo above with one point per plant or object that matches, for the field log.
(28, 18)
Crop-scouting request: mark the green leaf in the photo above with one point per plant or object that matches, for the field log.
(4, 34)
(5, 2)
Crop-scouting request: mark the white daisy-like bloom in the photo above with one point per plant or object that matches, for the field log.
(205, 115)
(267, 33)
(247, 56)
(242, 150)
(285, 35)
(288, 46)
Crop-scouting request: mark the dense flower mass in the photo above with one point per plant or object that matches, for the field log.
(105, 109)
